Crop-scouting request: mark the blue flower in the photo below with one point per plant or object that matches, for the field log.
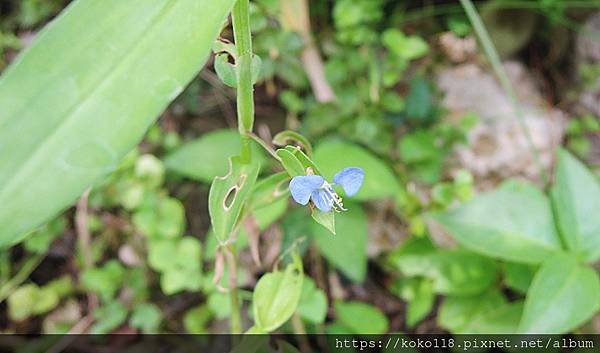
(321, 193)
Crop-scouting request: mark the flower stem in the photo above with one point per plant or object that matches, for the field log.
(492, 55)
(245, 93)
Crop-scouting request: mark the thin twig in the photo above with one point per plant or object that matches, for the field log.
(84, 239)
(295, 17)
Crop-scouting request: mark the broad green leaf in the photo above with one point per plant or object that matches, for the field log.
(519, 276)
(457, 313)
(503, 319)
(85, 92)
(514, 223)
(276, 296)
(361, 318)
(206, 157)
(379, 181)
(405, 47)
(418, 146)
(29, 300)
(269, 190)
(454, 272)
(108, 317)
(313, 303)
(347, 249)
(228, 195)
(39, 241)
(162, 218)
(146, 317)
(105, 280)
(174, 280)
(290, 163)
(563, 295)
(421, 304)
(196, 319)
(576, 199)
(179, 261)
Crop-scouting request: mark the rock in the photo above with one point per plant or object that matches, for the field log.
(458, 49)
(497, 146)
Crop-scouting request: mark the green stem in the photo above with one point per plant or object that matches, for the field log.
(245, 94)
(26, 269)
(492, 54)
(236, 316)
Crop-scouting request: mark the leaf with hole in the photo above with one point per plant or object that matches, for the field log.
(228, 195)
(85, 92)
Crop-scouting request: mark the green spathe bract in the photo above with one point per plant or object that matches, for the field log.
(86, 91)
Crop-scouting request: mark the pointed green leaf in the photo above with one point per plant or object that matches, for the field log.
(326, 219)
(514, 223)
(306, 161)
(361, 318)
(207, 156)
(290, 163)
(77, 100)
(454, 272)
(347, 250)
(379, 181)
(576, 199)
(563, 295)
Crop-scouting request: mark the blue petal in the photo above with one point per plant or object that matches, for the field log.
(302, 186)
(321, 200)
(350, 179)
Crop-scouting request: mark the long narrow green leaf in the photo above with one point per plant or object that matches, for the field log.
(86, 91)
